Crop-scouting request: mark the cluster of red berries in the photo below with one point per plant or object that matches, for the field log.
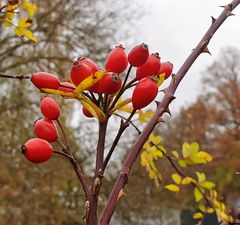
(148, 68)
(38, 150)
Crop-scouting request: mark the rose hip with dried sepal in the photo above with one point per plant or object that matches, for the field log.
(45, 80)
(66, 87)
(151, 67)
(37, 150)
(144, 93)
(138, 55)
(45, 129)
(50, 108)
(89, 63)
(110, 83)
(79, 72)
(116, 60)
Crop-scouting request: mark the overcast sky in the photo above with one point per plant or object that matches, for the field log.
(174, 27)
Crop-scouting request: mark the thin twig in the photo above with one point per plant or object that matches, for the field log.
(19, 77)
(64, 134)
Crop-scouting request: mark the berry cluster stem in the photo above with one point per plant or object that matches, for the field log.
(161, 109)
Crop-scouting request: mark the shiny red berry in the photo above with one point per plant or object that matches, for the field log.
(79, 72)
(138, 55)
(151, 67)
(45, 129)
(89, 63)
(110, 83)
(116, 60)
(50, 108)
(86, 112)
(37, 150)
(66, 87)
(144, 93)
(45, 80)
(167, 68)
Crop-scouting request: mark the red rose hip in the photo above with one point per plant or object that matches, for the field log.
(138, 55)
(37, 150)
(167, 68)
(45, 80)
(89, 63)
(86, 112)
(79, 72)
(50, 108)
(116, 60)
(144, 93)
(45, 129)
(151, 67)
(66, 87)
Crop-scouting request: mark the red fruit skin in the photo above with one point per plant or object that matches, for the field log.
(50, 108)
(89, 63)
(138, 55)
(45, 129)
(144, 93)
(151, 67)
(66, 87)
(86, 112)
(167, 68)
(37, 150)
(116, 60)
(79, 72)
(110, 83)
(45, 80)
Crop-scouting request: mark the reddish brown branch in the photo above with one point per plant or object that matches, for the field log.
(162, 107)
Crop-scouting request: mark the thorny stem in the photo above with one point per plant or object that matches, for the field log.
(161, 109)
(122, 128)
(19, 77)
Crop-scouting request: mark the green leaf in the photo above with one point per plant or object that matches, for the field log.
(172, 187)
(197, 194)
(176, 178)
(208, 184)
(182, 163)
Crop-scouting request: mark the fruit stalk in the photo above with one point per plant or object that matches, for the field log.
(161, 109)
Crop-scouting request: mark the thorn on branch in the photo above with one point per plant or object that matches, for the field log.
(168, 110)
(206, 50)
(213, 20)
(161, 120)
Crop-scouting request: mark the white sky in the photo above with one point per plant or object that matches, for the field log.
(174, 27)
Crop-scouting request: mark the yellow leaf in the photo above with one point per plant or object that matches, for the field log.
(201, 177)
(18, 31)
(154, 139)
(93, 109)
(30, 8)
(56, 92)
(7, 23)
(160, 78)
(185, 149)
(197, 215)
(208, 184)
(9, 15)
(176, 178)
(24, 23)
(197, 194)
(210, 210)
(204, 156)
(186, 180)
(143, 117)
(30, 35)
(202, 207)
(89, 81)
(172, 187)
(122, 105)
